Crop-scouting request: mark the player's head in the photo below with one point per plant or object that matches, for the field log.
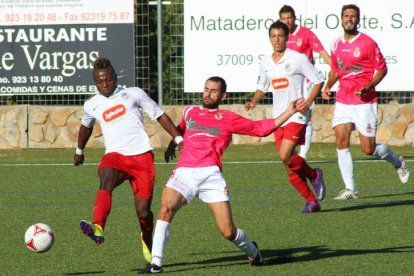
(278, 35)
(104, 76)
(287, 16)
(350, 17)
(214, 92)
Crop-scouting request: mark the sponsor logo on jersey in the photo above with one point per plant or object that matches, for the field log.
(280, 83)
(192, 125)
(113, 113)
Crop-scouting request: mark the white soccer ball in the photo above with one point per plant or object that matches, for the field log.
(39, 237)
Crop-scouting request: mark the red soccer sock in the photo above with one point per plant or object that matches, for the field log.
(297, 177)
(147, 226)
(299, 165)
(301, 186)
(102, 207)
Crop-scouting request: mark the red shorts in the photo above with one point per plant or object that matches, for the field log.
(292, 131)
(138, 169)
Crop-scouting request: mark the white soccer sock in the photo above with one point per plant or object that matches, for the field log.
(160, 240)
(383, 152)
(346, 167)
(246, 245)
(304, 149)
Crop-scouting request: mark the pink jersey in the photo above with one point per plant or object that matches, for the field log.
(304, 41)
(356, 61)
(208, 132)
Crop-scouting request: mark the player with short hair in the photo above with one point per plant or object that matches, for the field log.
(304, 41)
(359, 65)
(283, 73)
(128, 154)
(207, 133)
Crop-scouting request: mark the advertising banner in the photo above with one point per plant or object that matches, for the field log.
(229, 38)
(48, 46)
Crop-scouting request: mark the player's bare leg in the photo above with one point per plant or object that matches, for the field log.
(224, 221)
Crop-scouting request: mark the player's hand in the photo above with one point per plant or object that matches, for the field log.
(302, 105)
(78, 159)
(169, 153)
(292, 107)
(249, 106)
(326, 93)
(361, 92)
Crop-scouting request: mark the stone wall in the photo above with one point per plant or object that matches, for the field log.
(29, 126)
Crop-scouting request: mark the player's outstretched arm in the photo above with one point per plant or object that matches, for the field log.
(83, 138)
(291, 109)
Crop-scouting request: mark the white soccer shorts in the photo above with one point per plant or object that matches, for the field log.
(206, 183)
(363, 116)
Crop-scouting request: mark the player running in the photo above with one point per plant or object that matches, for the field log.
(283, 73)
(303, 40)
(360, 66)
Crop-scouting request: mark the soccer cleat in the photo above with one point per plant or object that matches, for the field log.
(347, 194)
(93, 231)
(256, 261)
(146, 251)
(403, 172)
(319, 185)
(150, 269)
(311, 207)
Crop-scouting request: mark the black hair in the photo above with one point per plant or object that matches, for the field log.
(286, 9)
(280, 26)
(353, 7)
(103, 63)
(220, 80)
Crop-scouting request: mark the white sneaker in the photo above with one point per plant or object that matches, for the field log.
(347, 194)
(403, 172)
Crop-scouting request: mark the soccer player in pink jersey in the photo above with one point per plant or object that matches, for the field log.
(283, 73)
(207, 133)
(359, 65)
(304, 41)
(128, 154)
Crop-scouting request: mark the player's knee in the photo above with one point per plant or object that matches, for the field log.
(166, 214)
(368, 150)
(285, 158)
(228, 234)
(144, 213)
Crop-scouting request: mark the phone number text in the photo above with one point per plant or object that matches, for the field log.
(32, 79)
(70, 17)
